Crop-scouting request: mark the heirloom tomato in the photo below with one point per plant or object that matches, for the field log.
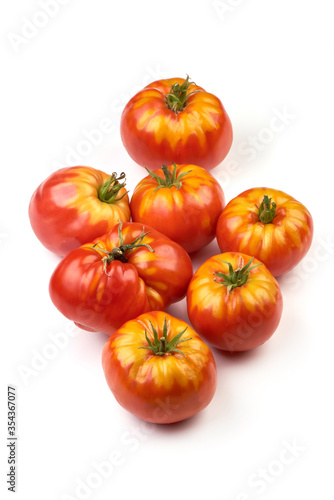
(268, 224)
(75, 205)
(128, 271)
(234, 302)
(176, 120)
(182, 201)
(159, 369)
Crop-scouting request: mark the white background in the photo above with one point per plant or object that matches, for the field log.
(260, 57)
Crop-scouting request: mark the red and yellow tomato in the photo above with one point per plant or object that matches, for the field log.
(268, 224)
(75, 205)
(182, 201)
(159, 369)
(234, 302)
(128, 271)
(175, 120)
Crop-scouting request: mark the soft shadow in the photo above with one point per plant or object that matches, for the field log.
(101, 337)
(179, 310)
(88, 345)
(237, 357)
(198, 258)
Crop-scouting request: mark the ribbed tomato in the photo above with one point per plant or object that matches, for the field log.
(126, 272)
(75, 205)
(159, 369)
(268, 224)
(182, 201)
(234, 302)
(176, 120)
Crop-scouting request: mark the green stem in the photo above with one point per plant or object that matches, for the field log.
(120, 252)
(235, 278)
(110, 189)
(267, 210)
(176, 100)
(161, 346)
(170, 178)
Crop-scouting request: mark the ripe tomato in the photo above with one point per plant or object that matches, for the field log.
(182, 201)
(75, 205)
(128, 271)
(234, 302)
(176, 120)
(269, 224)
(159, 369)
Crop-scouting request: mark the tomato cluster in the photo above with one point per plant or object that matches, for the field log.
(119, 276)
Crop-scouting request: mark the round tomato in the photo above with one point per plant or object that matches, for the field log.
(268, 224)
(159, 369)
(182, 201)
(128, 271)
(75, 205)
(234, 302)
(176, 120)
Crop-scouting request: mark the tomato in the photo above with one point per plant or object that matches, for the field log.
(182, 201)
(234, 302)
(128, 271)
(176, 120)
(75, 205)
(269, 224)
(159, 369)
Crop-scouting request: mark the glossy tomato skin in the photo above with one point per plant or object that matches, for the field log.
(153, 134)
(187, 215)
(160, 389)
(65, 211)
(99, 299)
(240, 320)
(280, 245)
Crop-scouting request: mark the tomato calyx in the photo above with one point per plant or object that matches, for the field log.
(120, 252)
(176, 100)
(170, 178)
(235, 278)
(110, 189)
(267, 210)
(161, 346)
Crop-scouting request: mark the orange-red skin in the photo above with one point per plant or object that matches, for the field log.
(241, 320)
(153, 134)
(159, 389)
(280, 245)
(187, 215)
(95, 301)
(65, 211)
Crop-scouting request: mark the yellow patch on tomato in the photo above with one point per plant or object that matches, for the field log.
(159, 285)
(293, 232)
(256, 237)
(249, 299)
(100, 291)
(154, 298)
(140, 257)
(145, 117)
(177, 198)
(205, 222)
(170, 369)
(150, 271)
